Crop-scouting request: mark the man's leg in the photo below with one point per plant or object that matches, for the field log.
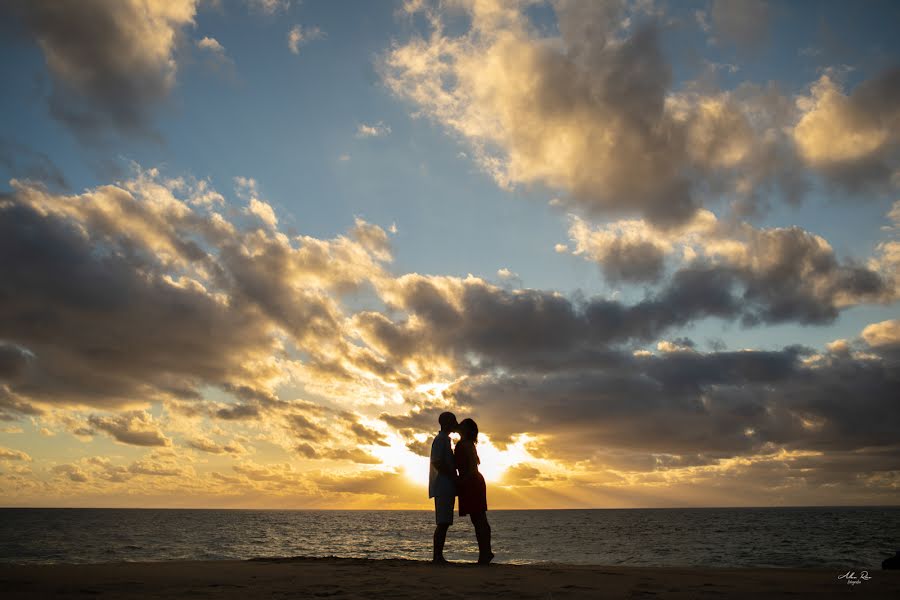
(440, 536)
(443, 513)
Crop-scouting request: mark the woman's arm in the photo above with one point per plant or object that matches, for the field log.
(466, 459)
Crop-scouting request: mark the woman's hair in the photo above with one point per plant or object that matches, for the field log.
(468, 430)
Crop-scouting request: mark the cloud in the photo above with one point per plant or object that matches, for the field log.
(885, 334)
(743, 22)
(210, 44)
(378, 129)
(113, 62)
(73, 472)
(373, 238)
(354, 455)
(263, 211)
(781, 274)
(298, 36)
(136, 428)
(156, 468)
(390, 485)
(269, 7)
(10, 454)
(25, 163)
(215, 58)
(324, 433)
(853, 139)
(591, 111)
(771, 276)
(153, 295)
(14, 361)
(13, 406)
(212, 447)
(685, 402)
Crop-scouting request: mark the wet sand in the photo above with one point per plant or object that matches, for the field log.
(402, 579)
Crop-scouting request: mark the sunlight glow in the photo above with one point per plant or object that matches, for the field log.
(494, 462)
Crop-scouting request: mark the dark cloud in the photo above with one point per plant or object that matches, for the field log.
(526, 475)
(127, 292)
(302, 427)
(775, 275)
(365, 435)
(13, 407)
(23, 162)
(112, 61)
(632, 262)
(480, 325)
(328, 435)
(238, 412)
(14, 361)
(103, 325)
(708, 406)
(213, 447)
(135, 428)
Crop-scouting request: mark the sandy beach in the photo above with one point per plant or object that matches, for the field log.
(401, 579)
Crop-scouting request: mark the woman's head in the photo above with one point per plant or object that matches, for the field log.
(468, 430)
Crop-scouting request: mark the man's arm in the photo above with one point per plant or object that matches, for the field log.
(442, 465)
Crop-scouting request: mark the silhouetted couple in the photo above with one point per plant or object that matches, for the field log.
(455, 473)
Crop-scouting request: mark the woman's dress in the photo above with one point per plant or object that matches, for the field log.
(471, 488)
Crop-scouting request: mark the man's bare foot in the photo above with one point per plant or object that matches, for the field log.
(440, 561)
(486, 560)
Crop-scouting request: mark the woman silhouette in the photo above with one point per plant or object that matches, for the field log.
(471, 488)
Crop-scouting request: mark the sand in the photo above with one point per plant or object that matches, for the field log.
(401, 579)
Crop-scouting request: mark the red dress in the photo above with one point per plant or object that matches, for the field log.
(470, 487)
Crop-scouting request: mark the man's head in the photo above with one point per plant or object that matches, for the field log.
(448, 422)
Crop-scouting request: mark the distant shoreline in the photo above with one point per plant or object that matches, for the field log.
(370, 578)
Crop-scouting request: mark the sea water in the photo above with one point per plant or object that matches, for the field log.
(824, 537)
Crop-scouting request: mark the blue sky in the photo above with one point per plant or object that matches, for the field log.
(286, 120)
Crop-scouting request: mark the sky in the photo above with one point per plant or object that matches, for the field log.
(251, 249)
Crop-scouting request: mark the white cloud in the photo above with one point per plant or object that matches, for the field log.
(298, 36)
(378, 129)
(210, 44)
(589, 112)
(269, 7)
(264, 211)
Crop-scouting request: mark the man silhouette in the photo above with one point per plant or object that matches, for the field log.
(442, 483)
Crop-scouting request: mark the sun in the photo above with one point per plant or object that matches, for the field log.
(494, 461)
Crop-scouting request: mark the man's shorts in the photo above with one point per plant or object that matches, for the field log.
(443, 509)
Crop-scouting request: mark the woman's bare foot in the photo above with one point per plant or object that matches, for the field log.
(486, 560)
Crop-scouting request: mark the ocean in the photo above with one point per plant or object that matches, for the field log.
(839, 537)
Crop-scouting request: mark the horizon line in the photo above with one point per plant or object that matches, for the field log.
(431, 510)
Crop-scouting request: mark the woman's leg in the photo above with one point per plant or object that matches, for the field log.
(483, 535)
